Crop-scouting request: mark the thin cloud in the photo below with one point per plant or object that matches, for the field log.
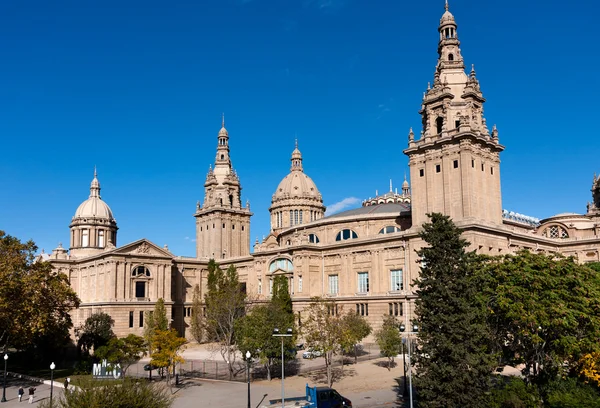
(342, 205)
(325, 5)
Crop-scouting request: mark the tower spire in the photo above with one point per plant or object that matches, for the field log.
(446, 6)
(223, 119)
(95, 185)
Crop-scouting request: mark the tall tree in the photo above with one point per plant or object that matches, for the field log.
(154, 321)
(225, 304)
(389, 339)
(544, 310)
(254, 332)
(322, 331)
(161, 321)
(95, 332)
(35, 301)
(454, 362)
(281, 298)
(354, 328)
(197, 322)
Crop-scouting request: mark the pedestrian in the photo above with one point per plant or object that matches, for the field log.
(66, 384)
(21, 392)
(31, 394)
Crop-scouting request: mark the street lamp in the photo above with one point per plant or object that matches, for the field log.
(52, 367)
(248, 375)
(415, 329)
(4, 384)
(282, 335)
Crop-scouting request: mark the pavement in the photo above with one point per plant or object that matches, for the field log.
(42, 391)
(221, 394)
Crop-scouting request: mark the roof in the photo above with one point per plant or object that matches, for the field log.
(380, 209)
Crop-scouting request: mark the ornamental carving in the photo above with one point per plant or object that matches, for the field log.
(144, 248)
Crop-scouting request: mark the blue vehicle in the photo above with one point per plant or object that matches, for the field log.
(325, 397)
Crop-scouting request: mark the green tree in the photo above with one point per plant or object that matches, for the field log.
(544, 312)
(354, 328)
(197, 324)
(455, 361)
(281, 298)
(124, 351)
(254, 332)
(322, 331)
(225, 304)
(161, 322)
(166, 348)
(35, 301)
(95, 332)
(388, 339)
(514, 392)
(130, 393)
(153, 321)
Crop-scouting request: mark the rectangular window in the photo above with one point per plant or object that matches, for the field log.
(140, 289)
(473, 163)
(141, 319)
(101, 239)
(362, 309)
(456, 164)
(438, 168)
(395, 309)
(396, 279)
(271, 286)
(259, 290)
(299, 284)
(85, 238)
(130, 319)
(363, 282)
(492, 170)
(482, 167)
(421, 173)
(333, 285)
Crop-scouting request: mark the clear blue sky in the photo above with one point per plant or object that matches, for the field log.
(137, 88)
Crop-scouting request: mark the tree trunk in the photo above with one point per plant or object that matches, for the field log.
(355, 357)
(328, 357)
(268, 367)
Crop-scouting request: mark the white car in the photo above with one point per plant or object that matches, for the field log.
(311, 353)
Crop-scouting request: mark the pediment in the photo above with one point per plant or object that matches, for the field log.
(143, 247)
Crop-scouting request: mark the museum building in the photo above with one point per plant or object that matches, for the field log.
(363, 259)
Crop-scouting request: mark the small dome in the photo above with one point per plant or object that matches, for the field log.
(447, 17)
(223, 132)
(297, 185)
(94, 207)
(405, 184)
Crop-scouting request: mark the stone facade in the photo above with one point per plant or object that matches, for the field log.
(364, 259)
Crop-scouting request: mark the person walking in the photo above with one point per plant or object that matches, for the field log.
(21, 392)
(66, 384)
(31, 394)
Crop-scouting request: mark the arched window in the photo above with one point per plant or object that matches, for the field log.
(140, 272)
(283, 264)
(389, 229)
(222, 156)
(313, 239)
(346, 234)
(555, 232)
(451, 57)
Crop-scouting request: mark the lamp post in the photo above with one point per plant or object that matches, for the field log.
(52, 367)
(248, 375)
(415, 329)
(4, 384)
(282, 335)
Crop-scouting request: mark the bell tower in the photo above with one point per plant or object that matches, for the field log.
(455, 164)
(222, 224)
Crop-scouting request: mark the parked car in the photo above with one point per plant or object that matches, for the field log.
(311, 353)
(149, 367)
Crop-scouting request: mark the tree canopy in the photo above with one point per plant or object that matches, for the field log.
(35, 300)
(123, 351)
(388, 339)
(95, 332)
(225, 304)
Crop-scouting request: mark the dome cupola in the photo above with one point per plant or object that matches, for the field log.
(93, 227)
(297, 199)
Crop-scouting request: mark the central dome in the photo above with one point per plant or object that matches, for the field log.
(296, 185)
(297, 199)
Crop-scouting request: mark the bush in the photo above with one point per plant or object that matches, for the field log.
(129, 393)
(570, 393)
(512, 392)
